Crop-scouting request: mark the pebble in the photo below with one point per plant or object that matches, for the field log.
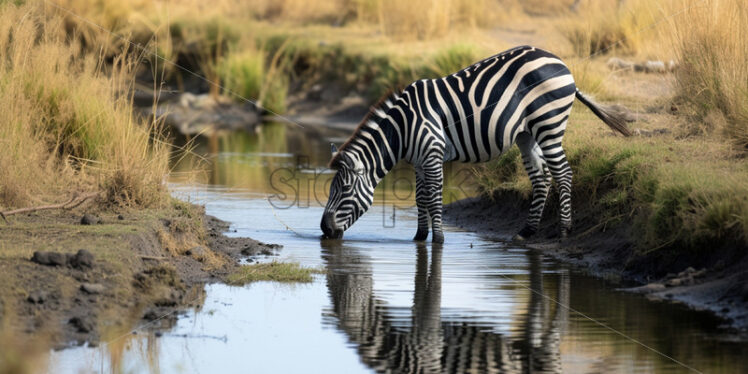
(90, 219)
(37, 297)
(92, 288)
(82, 324)
(199, 252)
(40, 257)
(82, 259)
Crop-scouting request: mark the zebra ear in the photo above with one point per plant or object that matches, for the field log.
(333, 149)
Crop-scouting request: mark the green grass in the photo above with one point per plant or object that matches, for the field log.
(681, 194)
(286, 272)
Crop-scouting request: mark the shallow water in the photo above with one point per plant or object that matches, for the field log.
(388, 304)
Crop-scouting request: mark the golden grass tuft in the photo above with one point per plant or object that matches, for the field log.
(713, 76)
(615, 26)
(68, 125)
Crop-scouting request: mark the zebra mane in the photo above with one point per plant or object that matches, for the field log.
(377, 112)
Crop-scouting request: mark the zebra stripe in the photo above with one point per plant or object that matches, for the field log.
(521, 96)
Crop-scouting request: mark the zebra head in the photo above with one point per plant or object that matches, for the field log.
(351, 193)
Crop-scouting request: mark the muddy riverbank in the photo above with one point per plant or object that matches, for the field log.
(89, 275)
(715, 280)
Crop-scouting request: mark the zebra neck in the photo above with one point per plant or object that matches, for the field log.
(378, 147)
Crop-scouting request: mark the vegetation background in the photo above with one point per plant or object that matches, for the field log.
(68, 70)
(70, 66)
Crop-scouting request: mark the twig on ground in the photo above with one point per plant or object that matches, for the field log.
(157, 258)
(70, 204)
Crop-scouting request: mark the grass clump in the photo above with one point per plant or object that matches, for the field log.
(713, 77)
(65, 124)
(503, 173)
(681, 195)
(616, 26)
(452, 59)
(246, 74)
(286, 272)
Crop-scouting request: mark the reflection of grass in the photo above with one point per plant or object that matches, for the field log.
(286, 272)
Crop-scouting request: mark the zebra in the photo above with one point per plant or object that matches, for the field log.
(520, 96)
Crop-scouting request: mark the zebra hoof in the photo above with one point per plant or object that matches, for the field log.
(421, 235)
(438, 237)
(523, 234)
(565, 233)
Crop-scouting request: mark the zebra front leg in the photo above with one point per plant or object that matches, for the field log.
(434, 179)
(540, 178)
(423, 214)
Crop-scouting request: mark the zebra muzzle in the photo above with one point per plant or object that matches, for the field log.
(329, 228)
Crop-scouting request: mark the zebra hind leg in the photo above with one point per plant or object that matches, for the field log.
(562, 174)
(423, 214)
(540, 177)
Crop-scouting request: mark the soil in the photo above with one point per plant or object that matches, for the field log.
(76, 283)
(715, 280)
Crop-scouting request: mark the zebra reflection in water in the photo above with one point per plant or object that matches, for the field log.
(428, 344)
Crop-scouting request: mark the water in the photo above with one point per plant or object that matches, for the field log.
(390, 305)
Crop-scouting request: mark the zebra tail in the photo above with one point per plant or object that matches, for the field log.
(614, 120)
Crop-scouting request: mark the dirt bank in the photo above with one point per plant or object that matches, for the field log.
(715, 280)
(90, 275)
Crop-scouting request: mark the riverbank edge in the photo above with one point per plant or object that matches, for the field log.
(714, 281)
(146, 266)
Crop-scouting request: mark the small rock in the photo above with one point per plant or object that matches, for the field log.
(686, 272)
(82, 259)
(649, 288)
(699, 273)
(37, 297)
(90, 219)
(150, 315)
(40, 257)
(199, 252)
(92, 288)
(57, 259)
(675, 282)
(82, 324)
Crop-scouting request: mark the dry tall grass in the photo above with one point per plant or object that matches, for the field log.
(65, 124)
(615, 26)
(713, 46)
(399, 20)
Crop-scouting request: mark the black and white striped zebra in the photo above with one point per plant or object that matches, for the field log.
(523, 96)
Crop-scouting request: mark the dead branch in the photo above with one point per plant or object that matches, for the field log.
(70, 204)
(156, 258)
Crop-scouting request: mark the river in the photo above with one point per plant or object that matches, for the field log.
(385, 303)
